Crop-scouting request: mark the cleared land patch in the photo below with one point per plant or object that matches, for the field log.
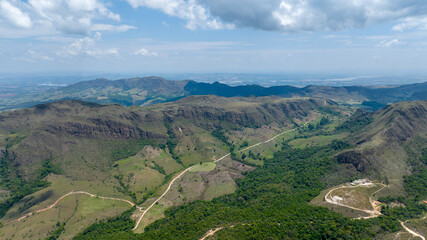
(204, 167)
(356, 197)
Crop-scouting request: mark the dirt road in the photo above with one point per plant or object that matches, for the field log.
(169, 187)
(412, 232)
(372, 213)
(68, 194)
(211, 233)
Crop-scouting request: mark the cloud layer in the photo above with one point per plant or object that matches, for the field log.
(78, 17)
(84, 16)
(288, 15)
(14, 15)
(195, 14)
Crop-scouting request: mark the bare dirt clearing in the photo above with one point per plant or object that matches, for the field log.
(358, 197)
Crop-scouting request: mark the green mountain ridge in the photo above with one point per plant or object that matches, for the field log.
(150, 90)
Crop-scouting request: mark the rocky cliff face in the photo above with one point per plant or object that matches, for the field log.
(356, 159)
(102, 129)
(248, 112)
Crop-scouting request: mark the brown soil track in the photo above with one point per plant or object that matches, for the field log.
(68, 194)
(372, 213)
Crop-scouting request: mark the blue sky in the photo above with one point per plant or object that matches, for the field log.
(175, 36)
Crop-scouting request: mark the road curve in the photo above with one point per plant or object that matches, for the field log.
(373, 213)
(412, 232)
(68, 194)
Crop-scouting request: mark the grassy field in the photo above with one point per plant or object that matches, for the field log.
(357, 197)
(60, 185)
(155, 213)
(139, 172)
(347, 212)
(219, 189)
(200, 146)
(204, 167)
(321, 140)
(77, 211)
(353, 196)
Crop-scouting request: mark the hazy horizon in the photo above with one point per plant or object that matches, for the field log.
(298, 79)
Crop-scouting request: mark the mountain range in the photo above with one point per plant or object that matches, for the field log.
(150, 90)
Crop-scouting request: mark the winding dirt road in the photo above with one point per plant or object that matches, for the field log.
(372, 213)
(68, 194)
(412, 232)
(186, 170)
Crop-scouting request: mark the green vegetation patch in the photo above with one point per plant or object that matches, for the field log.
(130, 148)
(17, 185)
(356, 122)
(320, 140)
(115, 228)
(204, 167)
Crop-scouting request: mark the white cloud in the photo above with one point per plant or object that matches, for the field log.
(71, 16)
(65, 16)
(286, 15)
(145, 52)
(411, 23)
(80, 46)
(97, 53)
(111, 28)
(390, 43)
(196, 15)
(14, 15)
(88, 46)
